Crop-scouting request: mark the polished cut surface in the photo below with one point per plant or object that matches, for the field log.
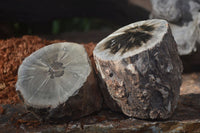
(131, 39)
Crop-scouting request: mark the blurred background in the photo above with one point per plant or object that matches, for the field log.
(72, 20)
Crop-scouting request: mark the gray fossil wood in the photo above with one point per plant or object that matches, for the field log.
(58, 82)
(184, 19)
(140, 70)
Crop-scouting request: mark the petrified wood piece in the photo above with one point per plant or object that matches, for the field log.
(140, 66)
(184, 19)
(57, 81)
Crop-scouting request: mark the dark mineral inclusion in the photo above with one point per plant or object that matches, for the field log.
(56, 70)
(132, 38)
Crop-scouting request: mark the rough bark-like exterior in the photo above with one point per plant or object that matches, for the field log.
(184, 19)
(86, 101)
(146, 85)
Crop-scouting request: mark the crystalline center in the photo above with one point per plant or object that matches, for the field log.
(132, 38)
(56, 69)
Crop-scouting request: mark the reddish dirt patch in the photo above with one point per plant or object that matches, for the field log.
(1, 110)
(28, 123)
(89, 48)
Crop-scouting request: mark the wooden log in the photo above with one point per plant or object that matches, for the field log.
(184, 19)
(140, 66)
(57, 82)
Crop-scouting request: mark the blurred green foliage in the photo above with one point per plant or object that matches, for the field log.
(62, 25)
(79, 24)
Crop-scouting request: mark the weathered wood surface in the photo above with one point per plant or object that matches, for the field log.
(184, 18)
(143, 78)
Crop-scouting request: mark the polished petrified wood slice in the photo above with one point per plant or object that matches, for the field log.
(57, 81)
(140, 70)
